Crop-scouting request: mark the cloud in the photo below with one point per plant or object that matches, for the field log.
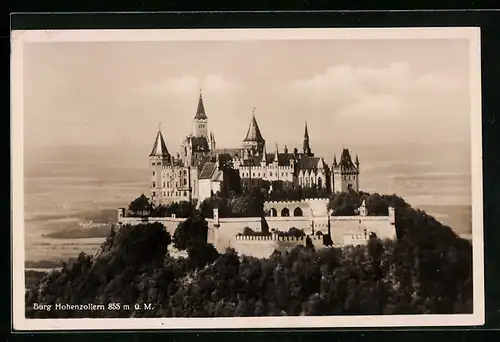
(390, 90)
(189, 84)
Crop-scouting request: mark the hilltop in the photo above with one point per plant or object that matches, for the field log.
(428, 269)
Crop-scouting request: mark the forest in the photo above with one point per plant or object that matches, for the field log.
(426, 270)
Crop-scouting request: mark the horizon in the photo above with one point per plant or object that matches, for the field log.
(349, 91)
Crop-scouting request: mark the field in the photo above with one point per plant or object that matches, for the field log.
(65, 187)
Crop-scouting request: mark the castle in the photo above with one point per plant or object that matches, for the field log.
(195, 173)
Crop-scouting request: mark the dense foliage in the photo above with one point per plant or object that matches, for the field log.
(248, 204)
(427, 270)
(179, 209)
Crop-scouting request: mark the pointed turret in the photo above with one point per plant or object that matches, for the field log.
(346, 161)
(253, 133)
(306, 147)
(276, 154)
(334, 160)
(200, 111)
(159, 147)
(357, 162)
(254, 140)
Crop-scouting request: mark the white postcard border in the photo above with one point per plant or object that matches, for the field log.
(19, 38)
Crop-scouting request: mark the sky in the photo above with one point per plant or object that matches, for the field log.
(349, 91)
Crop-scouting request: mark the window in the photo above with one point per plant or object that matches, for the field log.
(176, 193)
(154, 185)
(185, 193)
(258, 175)
(270, 174)
(253, 174)
(168, 184)
(153, 173)
(163, 184)
(163, 193)
(154, 194)
(185, 181)
(185, 172)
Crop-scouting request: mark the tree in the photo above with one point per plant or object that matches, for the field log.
(191, 232)
(140, 206)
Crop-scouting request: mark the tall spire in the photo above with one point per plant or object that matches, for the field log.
(159, 147)
(306, 147)
(200, 111)
(276, 154)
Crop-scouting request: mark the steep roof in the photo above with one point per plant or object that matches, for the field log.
(200, 111)
(309, 162)
(208, 170)
(346, 161)
(199, 144)
(253, 133)
(159, 147)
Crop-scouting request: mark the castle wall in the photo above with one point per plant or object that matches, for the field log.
(317, 205)
(223, 232)
(170, 223)
(264, 246)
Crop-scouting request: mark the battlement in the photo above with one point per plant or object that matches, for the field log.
(305, 200)
(276, 237)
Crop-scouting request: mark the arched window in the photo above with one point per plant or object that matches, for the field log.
(285, 212)
(273, 212)
(153, 173)
(312, 181)
(185, 181)
(297, 212)
(301, 181)
(154, 184)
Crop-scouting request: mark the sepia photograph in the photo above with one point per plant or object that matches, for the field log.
(257, 178)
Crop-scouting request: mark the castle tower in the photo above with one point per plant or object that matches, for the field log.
(200, 120)
(345, 173)
(158, 158)
(254, 140)
(306, 147)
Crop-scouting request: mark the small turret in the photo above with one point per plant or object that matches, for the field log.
(264, 154)
(276, 154)
(335, 160)
(357, 162)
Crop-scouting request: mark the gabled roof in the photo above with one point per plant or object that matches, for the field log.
(253, 133)
(208, 170)
(307, 163)
(199, 144)
(159, 147)
(200, 111)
